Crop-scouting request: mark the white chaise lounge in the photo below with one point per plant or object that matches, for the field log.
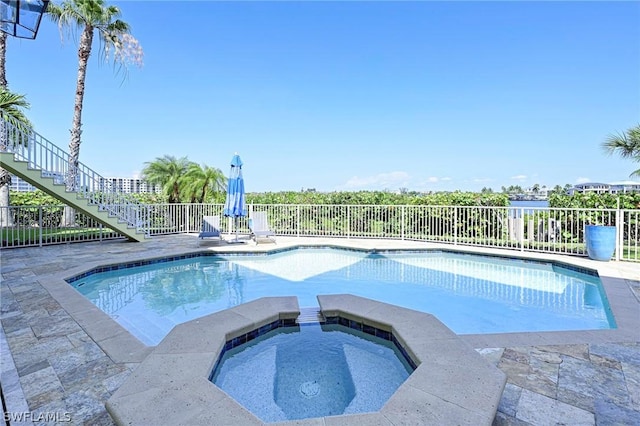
(210, 228)
(259, 227)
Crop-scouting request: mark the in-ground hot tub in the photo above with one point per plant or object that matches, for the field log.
(452, 384)
(313, 370)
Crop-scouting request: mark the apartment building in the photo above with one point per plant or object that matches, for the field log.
(126, 185)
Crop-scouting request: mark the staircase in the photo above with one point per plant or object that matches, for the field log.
(33, 158)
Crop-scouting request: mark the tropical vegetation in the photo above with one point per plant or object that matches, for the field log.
(183, 180)
(626, 144)
(89, 17)
(12, 106)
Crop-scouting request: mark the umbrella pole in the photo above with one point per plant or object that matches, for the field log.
(236, 229)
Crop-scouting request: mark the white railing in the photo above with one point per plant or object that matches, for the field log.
(546, 230)
(40, 225)
(53, 162)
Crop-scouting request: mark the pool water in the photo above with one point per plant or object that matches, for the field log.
(470, 294)
(312, 371)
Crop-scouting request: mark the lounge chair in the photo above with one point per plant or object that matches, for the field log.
(259, 227)
(210, 228)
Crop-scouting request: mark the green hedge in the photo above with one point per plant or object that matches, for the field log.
(629, 201)
(457, 198)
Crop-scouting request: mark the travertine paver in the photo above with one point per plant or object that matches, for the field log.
(38, 333)
(541, 410)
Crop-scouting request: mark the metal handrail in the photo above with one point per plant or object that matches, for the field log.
(53, 162)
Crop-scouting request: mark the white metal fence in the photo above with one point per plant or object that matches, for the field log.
(548, 230)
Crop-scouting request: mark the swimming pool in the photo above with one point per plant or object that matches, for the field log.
(469, 293)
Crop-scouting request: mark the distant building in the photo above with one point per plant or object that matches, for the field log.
(129, 185)
(625, 186)
(20, 185)
(604, 188)
(541, 193)
(126, 185)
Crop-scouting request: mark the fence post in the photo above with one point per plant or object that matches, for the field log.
(402, 224)
(348, 221)
(188, 218)
(619, 232)
(455, 226)
(521, 230)
(298, 220)
(40, 226)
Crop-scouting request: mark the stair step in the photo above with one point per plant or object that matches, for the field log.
(310, 315)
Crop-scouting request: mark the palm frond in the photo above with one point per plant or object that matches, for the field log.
(626, 144)
(11, 108)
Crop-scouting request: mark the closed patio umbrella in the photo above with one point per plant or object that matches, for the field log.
(234, 205)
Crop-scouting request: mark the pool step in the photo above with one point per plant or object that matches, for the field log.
(308, 315)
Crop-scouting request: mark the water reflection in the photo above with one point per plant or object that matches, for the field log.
(170, 288)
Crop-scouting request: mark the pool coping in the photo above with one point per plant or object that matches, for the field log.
(122, 347)
(452, 381)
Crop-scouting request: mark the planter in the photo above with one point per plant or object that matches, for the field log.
(600, 241)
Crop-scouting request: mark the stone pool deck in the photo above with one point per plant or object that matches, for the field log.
(62, 358)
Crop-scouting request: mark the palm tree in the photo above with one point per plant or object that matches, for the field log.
(11, 110)
(89, 16)
(627, 145)
(535, 188)
(168, 171)
(199, 181)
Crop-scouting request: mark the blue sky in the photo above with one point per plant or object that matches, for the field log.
(429, 96)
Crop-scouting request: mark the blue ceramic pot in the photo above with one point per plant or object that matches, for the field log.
(600, 241)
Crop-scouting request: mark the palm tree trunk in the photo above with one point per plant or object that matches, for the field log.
(3, 59)
(84, 51)
(6, 220)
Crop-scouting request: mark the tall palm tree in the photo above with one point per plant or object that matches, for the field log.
(168, 171)
(626, 144)
(11, 109)
(199, 181)
(89, 16)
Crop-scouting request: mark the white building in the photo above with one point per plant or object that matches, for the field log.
(20, 185)
(625, 186)
(603, 188)
(129, 185)
(126, 185)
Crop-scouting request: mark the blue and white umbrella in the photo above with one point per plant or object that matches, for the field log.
(234, 205)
